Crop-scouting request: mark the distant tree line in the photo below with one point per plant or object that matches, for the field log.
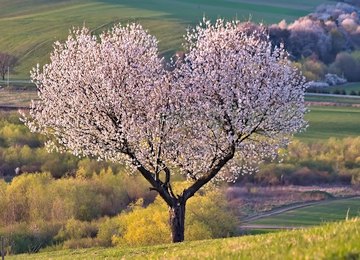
(326, 41)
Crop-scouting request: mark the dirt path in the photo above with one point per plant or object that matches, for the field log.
(246, 225)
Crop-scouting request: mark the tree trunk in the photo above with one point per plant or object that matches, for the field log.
(177, 221)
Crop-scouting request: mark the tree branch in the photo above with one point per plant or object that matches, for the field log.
(156, 184)
(189, 192)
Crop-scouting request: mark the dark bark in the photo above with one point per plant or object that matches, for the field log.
(2, 248)
(177, 203)
(177, 220)
(189, 192)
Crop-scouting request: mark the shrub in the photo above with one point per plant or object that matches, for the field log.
(108, 229)
(85, 242)
(207, 216)
(23, 238)
(348, 65)
(318, 195)
(76, 229)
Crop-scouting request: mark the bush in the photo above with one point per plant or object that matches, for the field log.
(108, 229)
(23, 238)
(348, 65)
(207, 216)
(76, 229)
(306, 176)
(312, 68)
(318, 195)
(86, 242)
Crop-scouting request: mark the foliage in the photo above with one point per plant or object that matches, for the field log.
(207, 216)
(312, 68)
(30, 238)
(35, 197)
(38, 211)
(329, 241)
(332, 161)
(36, 207)
(76, 229)
(348, 65)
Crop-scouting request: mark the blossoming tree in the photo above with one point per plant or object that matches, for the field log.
(232, 101)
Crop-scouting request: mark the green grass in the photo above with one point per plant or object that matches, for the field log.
(330, 121)
(333, 210)
(348, 100)
(330, 241)
(29, 28)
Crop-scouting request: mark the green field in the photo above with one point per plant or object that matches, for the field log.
(338, 99)
(355, 86)
(330, 121)
(333, 210)
(29, 28)
(331, 241)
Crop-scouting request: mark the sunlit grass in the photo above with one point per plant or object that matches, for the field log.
(333, 210)
(330, 121)
(330, 241)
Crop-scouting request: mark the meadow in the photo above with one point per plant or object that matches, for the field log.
(331, 210)
(331, 121)
(330, 241)
(29, 28)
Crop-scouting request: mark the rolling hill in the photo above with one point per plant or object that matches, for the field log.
(29, 28)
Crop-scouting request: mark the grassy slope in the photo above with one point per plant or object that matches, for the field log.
(28, 28)
(331, 241)
(326, 122)
(334, 210)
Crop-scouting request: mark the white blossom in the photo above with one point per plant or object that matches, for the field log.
(231, 102)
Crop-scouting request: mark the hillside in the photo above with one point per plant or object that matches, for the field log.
(29, 28)
(330, 241)
(307, 214)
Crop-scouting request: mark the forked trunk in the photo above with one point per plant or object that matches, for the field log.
(177, 221)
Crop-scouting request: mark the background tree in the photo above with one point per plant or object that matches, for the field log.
(7, 63)
(231, 102)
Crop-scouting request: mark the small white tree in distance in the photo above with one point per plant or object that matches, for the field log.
(231, 102)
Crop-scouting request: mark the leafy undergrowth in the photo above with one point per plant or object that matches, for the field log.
(330, 241)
